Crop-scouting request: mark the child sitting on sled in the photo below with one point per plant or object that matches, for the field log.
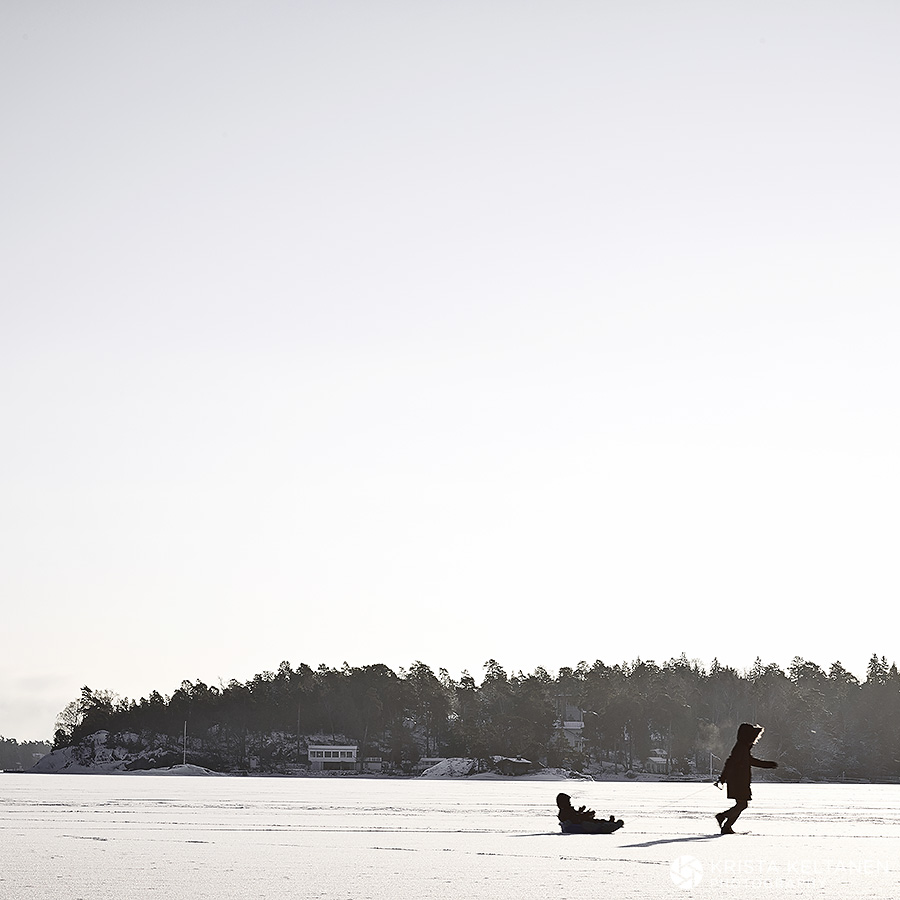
(582, 820)
(568, 813)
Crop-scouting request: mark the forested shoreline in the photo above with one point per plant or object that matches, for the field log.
(18, 756)
(820, 724)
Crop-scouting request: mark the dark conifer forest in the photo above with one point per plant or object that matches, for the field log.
(820, 723)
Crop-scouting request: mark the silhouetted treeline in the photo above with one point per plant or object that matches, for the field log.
(15, 756)
(819, 724)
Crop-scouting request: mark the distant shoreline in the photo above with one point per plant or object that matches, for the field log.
(190, 771)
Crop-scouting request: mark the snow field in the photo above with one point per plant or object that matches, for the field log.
(83, 837)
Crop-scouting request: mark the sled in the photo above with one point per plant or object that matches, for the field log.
(592, 826)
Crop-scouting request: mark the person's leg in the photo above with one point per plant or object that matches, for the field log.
(731, 815)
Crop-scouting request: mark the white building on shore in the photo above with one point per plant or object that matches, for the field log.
(332, 758)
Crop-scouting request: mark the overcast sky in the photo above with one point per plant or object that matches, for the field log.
(393, 331)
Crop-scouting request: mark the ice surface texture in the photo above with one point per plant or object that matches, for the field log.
(109, 838)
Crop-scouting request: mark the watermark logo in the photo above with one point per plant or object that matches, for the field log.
(687, 872)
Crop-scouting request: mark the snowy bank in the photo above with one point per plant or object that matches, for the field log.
(99, 755)
(455, 767)
(464, 767)
(91, 757)
(187, 769)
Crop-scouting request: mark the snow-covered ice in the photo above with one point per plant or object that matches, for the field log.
(82, 837)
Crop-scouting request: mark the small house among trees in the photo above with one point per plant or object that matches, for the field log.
(328, 758)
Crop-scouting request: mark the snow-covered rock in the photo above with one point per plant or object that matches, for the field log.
(454, 767)
(98, 755)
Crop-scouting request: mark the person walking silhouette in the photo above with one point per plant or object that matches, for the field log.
(736, 774)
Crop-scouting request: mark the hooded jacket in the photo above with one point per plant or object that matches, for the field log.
(736, 771)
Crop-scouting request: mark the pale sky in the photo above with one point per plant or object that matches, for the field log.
(394, 331)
